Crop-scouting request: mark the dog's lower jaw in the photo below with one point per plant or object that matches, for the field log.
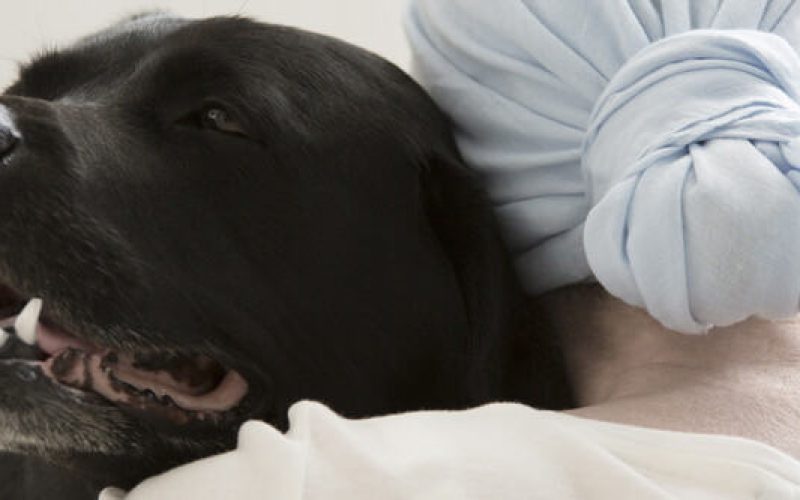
(84, 432)
(106, 458)
(44, 428)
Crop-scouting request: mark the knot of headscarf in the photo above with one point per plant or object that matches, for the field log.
(628, 143)
(692, 168)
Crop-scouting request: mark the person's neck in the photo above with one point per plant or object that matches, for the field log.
(741, 380)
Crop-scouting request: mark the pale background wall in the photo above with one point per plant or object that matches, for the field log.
(30, 25)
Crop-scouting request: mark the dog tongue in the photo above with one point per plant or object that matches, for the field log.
(53, 341)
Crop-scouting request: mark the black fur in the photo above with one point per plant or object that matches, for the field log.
(340, 252)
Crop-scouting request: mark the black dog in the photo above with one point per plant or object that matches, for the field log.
(222, 218)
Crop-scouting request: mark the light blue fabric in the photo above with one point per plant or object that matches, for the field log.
(651, 145)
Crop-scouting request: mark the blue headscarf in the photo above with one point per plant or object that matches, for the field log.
(651, 145)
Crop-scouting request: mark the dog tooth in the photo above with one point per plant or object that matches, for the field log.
(4, 336)
(27, 320)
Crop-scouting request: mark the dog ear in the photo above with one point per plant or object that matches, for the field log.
(513, 354)
(460, 214)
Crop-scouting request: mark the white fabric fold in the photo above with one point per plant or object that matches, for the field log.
(652, 146)
(499, 451)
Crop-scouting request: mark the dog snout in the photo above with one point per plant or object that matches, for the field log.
(9, 136)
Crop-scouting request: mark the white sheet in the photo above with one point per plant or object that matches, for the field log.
(499, 451)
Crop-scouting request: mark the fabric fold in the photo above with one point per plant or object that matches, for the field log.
(504, 450)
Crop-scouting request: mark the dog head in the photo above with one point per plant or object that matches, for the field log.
(223, 217)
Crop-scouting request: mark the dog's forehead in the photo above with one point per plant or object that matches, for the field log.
(152, 25)
(95, 60)
(109, 57)
(149, 53)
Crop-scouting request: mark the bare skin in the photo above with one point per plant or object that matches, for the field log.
(742, 380)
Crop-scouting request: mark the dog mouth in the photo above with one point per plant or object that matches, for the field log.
(167, 385)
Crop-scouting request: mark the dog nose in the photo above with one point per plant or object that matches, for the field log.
(8, 133)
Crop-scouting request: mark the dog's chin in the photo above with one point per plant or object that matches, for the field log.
(72, 400)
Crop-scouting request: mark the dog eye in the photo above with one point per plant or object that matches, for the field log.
(216, 118)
